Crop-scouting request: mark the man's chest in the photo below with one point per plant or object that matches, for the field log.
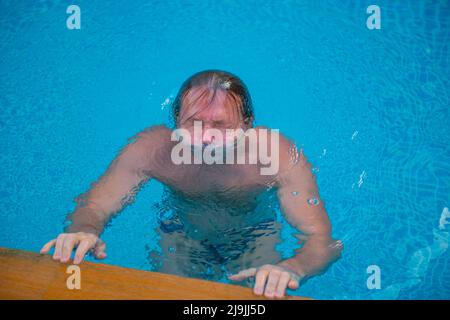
(232, 180)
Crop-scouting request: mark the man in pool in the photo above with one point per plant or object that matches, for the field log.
(219, 222)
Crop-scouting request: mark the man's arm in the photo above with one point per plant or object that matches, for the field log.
(305, 210)
(115, 189)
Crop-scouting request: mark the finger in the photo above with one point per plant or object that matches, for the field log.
(99, 250)
(282, 284)
(58, 247)
(46, 248)
(260, 281)
(293, 284)
(243, 274)
(83, 247)
(274, 277)
(69, 243)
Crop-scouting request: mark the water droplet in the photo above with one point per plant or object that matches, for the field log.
(270, 185)
(313, 201)
(324, 152)
(293, 154)
(226, 84)
(295, 193)
(336, 244)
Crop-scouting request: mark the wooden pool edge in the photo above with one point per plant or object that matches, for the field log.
(31, 276)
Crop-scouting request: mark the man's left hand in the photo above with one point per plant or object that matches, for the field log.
(272, 280)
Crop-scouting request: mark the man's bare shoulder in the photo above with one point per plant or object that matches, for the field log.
(286, 144)
(142, 147)
(155, 132)
(155, 136)
(288, 154)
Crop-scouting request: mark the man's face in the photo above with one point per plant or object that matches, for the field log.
(220, 114)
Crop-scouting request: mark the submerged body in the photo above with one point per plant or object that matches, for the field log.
(214, 220)
(211, 235)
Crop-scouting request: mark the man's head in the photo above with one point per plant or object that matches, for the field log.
(219, 99)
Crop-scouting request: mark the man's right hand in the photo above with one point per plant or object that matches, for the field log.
(82, 241)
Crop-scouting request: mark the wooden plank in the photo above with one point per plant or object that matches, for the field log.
(28, 275)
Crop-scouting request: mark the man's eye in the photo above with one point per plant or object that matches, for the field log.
(189, 123)
(225, 126)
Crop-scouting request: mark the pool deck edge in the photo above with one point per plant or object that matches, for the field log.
(32, 276)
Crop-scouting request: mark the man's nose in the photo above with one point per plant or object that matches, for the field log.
(207, 138)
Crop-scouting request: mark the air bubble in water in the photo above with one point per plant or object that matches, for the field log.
(167, 102)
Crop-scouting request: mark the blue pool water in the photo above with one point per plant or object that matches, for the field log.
(369, 107)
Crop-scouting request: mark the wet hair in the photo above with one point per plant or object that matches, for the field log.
(215, 80)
